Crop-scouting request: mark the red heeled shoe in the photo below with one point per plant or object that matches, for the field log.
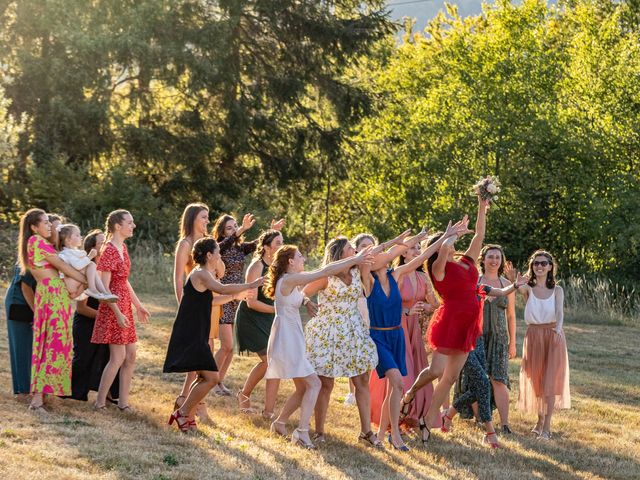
(487, 440)
(185, 425)
(443, 427)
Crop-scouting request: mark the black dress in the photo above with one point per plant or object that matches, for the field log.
(89, 359)
(252, 328)
(188, 349)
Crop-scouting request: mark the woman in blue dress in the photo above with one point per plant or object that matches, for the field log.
(385, 315)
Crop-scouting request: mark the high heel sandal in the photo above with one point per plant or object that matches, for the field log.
(444, 428)
(267, 415)
(242, 398)
(423, 427)
(273, 428)
(489, 442)
(372, 439)
(402, 448)
(296, 440)
(405, 408)
(176, 416)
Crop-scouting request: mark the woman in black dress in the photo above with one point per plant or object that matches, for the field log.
(189, 344)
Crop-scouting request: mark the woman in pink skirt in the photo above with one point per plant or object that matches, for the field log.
(544, 372)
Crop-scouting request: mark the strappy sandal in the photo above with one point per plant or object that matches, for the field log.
(242, 398)
(273, 428)
(319, 437)
(402, 448)
(372, 439)
(444, 428)
(98, 408)
(405, 408)
(544, 435)
(296, 440)
(185, 425)
(267, 415)
(423, 427)
(125, 409)
(486, 440)
(536, 432)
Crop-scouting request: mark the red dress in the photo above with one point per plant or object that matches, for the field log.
(106, 328)
(457, 323)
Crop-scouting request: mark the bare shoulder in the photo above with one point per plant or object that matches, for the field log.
(559, 290)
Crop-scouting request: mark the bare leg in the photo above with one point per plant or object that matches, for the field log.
(322, 404)
(92, 278)
(453, 366)
(385, 421)
(312, 386)
(188, 381)
(126, 374)
(428, 375)
(546, 426)
(271, 395)
(255, 375)
(224, 355)
(205, 381)
(501, 397)
(394, 396)
(117, 354)
(363, 400)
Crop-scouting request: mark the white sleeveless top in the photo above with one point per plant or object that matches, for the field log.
(539, 311)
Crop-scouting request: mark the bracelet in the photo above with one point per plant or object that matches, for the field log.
(305, 301)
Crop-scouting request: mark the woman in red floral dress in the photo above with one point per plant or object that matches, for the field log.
(114, 322)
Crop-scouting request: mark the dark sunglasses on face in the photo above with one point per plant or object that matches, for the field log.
(543, 263)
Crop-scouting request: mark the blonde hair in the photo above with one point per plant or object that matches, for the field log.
(65, 232)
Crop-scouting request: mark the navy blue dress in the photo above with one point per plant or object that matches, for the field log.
(386, 312)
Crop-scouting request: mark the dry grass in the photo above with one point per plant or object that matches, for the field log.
(598, 439)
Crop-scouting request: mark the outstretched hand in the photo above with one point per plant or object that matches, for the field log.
(401, 238)
(510, 272)
(257, 283)
(365, 257)
(521, 280)
(277, 224)
(248, 221)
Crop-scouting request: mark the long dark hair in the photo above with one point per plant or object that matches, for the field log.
(551, 277)
(264, 240)
(189, 215)
(31, 218)
(217, 232)
(277, 269)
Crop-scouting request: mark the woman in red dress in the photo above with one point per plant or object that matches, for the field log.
(457, 323)
(112, 327)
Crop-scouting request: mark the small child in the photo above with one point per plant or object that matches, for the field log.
(69, 242)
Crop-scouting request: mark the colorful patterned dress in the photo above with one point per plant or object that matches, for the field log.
(52, 340)
(106, 328)
(233, 255)
(338, 340)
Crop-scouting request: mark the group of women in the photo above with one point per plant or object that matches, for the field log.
(380, 309)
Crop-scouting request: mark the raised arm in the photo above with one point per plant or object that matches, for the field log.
(402, 243)
(481, 223)
(509, 289)
(298, 279)
(314, 287)
(253, 273)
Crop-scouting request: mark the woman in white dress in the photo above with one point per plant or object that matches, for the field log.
(286, 351)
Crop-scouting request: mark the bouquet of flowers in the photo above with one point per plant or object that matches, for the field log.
(487, 188)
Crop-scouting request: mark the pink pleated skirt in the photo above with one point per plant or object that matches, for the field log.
(544, 371)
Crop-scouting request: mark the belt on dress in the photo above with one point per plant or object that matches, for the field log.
(386, 328)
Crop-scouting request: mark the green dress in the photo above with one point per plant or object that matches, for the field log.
(496, 339)
(252, 328)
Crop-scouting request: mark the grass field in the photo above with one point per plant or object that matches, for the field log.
(598, 439)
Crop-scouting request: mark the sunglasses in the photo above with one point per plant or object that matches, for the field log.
(543, 263)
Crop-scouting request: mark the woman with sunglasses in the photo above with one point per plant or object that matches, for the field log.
(544, 372)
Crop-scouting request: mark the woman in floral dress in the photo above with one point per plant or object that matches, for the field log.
(52, 339)
(112, 327)
(338, 340)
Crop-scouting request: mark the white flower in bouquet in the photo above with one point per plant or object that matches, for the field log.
(487, 188)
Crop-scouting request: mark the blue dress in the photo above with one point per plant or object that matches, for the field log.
(386, 312)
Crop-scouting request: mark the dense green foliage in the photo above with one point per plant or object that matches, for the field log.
(314, 111)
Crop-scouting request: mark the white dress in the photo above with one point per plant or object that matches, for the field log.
(338, 340)
(286, 355)
(75, 257)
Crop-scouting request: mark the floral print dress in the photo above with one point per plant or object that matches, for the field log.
(337, 338)
(52, 349)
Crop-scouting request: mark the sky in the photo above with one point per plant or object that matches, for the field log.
(425, 10)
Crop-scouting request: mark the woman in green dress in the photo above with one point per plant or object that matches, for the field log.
(254, 318)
